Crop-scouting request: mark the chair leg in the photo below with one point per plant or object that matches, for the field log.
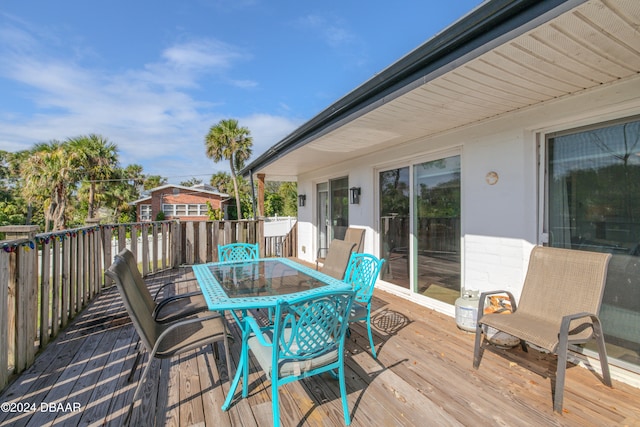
(139, 388)
(343, 392)
(234, 384)
(228, 356)
(477, 348)
(275, 402)
(135, 363)
(602, 351)
(561, 369)
(373, 348)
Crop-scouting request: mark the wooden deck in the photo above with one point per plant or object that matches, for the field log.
(423, 377)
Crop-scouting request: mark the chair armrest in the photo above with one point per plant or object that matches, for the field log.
(155, 297)
(250, 323)
(181, 323)
(566, 321)
(483, 297)
(172, 298)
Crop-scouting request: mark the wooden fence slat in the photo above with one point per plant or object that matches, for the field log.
(67, 262)
(107, 240)
(4, 319)
(96, 264)
(144, 235)
(154, 246)
(26, 308)
(75, 273)
(165, 245)
(176, 244)
(84, 284)
(204, 242)
(57, 286)
(133, 244)
(31, 281)
(45, 292)
(122, 237)
(190, 242)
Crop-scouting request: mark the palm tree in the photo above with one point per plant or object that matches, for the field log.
(124, 190)
(226, 140)
(221, 181)
(97, 160)
(49, 175)
(153, 181)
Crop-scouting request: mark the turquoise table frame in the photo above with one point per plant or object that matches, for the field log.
(267, 274)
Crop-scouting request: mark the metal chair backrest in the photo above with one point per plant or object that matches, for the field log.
(134, 301)
(138, 281)
(237, 252)
(335, 264)
(355, 235)
(560, 282)
(362, 273)
(310, 326)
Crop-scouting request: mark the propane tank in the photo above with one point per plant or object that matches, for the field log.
(467, 311)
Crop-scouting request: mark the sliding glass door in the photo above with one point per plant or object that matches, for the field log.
(420, 227)
(436, 216)
(394, 225)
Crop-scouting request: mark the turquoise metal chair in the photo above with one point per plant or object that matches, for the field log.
(362, 272)
(237, 252)
(307, 339)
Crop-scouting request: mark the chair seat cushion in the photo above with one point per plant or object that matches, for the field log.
(288, 367)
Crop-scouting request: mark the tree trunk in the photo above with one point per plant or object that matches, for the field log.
(92, 196)
(235, 187)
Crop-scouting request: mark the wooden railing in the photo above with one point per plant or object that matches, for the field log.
(47, 279)
(282, 246)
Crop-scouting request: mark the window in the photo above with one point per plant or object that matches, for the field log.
(168, 210)
(193, 210)
(185, 210)
(145, 212)
(593, 193)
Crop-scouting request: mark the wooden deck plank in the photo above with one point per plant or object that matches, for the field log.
(423, 376)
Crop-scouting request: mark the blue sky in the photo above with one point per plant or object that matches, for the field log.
(153, 76)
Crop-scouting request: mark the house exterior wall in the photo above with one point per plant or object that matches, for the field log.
(169, 195)
(500, 223)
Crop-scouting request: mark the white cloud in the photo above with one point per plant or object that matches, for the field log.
(201, 54)
(148, 112)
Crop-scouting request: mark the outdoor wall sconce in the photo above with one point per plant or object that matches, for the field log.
(302, 198)
(354, 195)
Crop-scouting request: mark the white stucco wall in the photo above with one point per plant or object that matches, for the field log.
(500, 223)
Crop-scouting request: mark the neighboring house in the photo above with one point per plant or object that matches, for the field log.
(518, 125)
(179, 202)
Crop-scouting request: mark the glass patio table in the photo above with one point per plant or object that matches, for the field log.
(252, 284)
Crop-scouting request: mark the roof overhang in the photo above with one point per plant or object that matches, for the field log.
(504, 56)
